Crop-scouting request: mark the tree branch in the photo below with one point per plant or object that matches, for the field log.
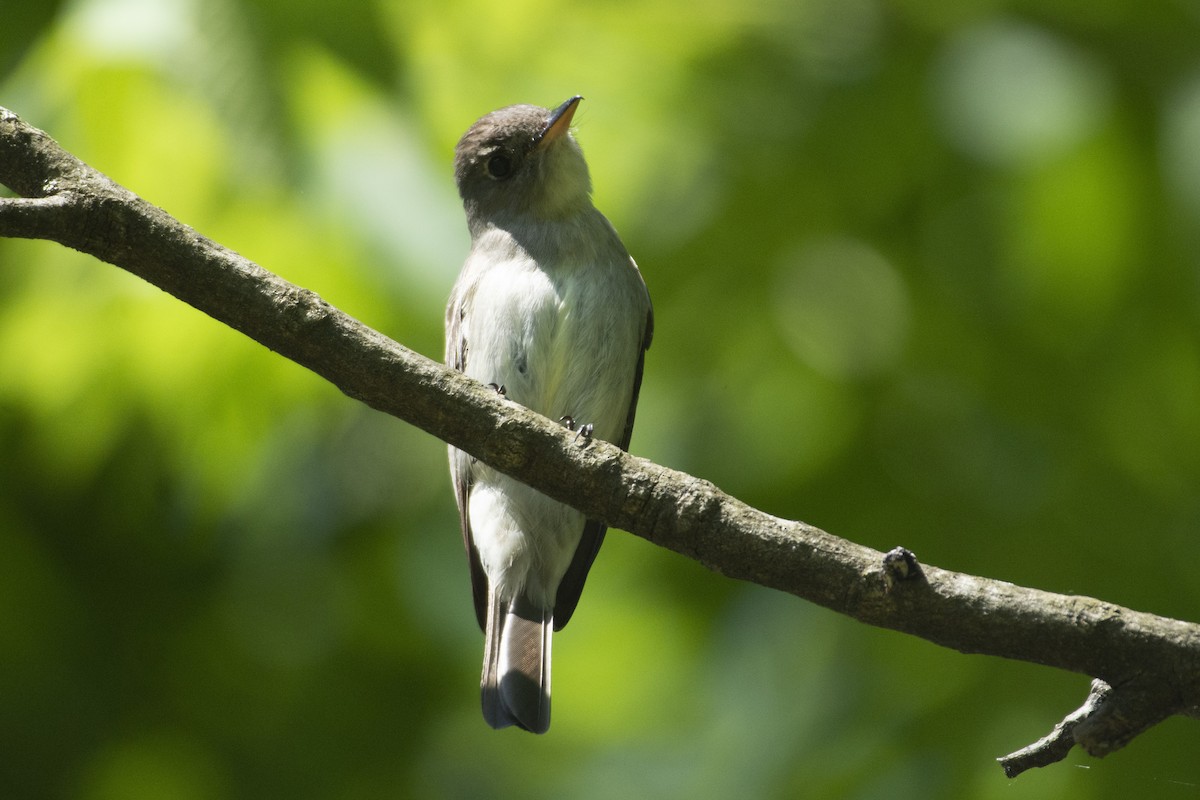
(1148, 666)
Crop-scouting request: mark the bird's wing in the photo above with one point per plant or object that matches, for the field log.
(571, 586)
(637, 381)
(460, 462)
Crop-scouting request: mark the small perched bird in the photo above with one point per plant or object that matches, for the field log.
(551, 311)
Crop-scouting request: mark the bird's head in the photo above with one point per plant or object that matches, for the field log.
(522, 161)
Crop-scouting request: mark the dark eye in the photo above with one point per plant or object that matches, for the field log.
(499, 166)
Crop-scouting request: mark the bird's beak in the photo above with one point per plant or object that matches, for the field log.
(560, 121)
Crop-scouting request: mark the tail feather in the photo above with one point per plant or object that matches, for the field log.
(515, 686)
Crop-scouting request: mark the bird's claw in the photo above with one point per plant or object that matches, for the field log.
(498, 388)
(584, 430)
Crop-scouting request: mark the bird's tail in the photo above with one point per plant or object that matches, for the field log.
(516, 664)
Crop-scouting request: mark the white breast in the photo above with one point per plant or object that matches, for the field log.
(562, 334)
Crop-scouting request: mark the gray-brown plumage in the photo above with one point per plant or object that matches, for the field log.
(550, 306)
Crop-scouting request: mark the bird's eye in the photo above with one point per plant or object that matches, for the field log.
(499, 166)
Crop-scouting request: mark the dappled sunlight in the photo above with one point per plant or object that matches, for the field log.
(843, 308)
(1012, 93)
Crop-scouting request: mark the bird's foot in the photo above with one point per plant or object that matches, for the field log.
(584, 430)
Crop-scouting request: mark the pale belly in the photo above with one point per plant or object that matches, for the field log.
(565, 350)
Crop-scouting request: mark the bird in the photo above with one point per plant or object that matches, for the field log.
(552, 312)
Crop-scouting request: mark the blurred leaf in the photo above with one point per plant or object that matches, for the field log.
(924, 273)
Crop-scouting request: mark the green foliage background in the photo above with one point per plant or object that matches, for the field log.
(925, 273)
